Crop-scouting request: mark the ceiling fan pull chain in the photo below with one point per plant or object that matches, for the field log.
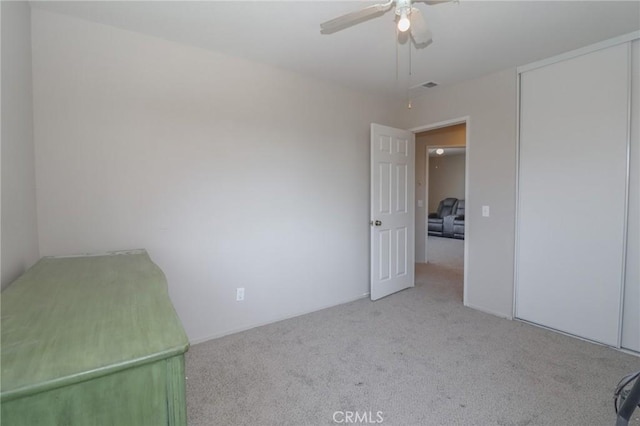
(397, 58)
(409, 79)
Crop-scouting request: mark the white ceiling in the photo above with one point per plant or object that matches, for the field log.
(471, 38)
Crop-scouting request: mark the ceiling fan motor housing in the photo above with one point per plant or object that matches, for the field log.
(403, 6)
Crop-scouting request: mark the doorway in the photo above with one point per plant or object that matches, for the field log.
(399, 196)
(441, 192)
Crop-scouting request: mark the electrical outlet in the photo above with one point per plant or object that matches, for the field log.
(240, 294)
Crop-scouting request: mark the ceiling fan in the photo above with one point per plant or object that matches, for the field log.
(410, 18)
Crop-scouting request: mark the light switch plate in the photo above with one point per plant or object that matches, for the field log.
(420, 203)
(485, 211)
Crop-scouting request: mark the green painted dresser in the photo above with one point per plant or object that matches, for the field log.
(92, 340)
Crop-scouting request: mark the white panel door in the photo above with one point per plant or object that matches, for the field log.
(392, 212)
(572, 190)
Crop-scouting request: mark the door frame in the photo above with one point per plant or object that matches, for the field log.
(438, 125)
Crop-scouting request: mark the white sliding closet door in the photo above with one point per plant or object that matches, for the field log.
(631, 306)
(572, 191)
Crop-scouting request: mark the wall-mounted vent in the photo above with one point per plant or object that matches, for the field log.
(429, 84)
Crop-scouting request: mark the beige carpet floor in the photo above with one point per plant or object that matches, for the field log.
(418, 357)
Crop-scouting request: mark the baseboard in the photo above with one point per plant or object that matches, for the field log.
(283, 318)
(629, 352)
(626, 351)
(489, 311)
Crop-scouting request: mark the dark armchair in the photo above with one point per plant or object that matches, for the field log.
(458, 221)
(436, 220)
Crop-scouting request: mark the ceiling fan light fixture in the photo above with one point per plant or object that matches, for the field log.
(404, 23)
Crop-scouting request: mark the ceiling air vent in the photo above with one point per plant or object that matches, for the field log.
(429, 84)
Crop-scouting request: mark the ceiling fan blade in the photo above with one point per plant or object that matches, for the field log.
(435, 2)
(419, 31)
(353, 18)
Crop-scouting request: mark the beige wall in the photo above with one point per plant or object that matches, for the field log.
(422, 183)
(455, 135)
(489, 102)
(231, 173)
(446, 179)
(19, 227)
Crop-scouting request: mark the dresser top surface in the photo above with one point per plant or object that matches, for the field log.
(70, 319)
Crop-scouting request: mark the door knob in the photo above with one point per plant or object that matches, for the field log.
(376, 223)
